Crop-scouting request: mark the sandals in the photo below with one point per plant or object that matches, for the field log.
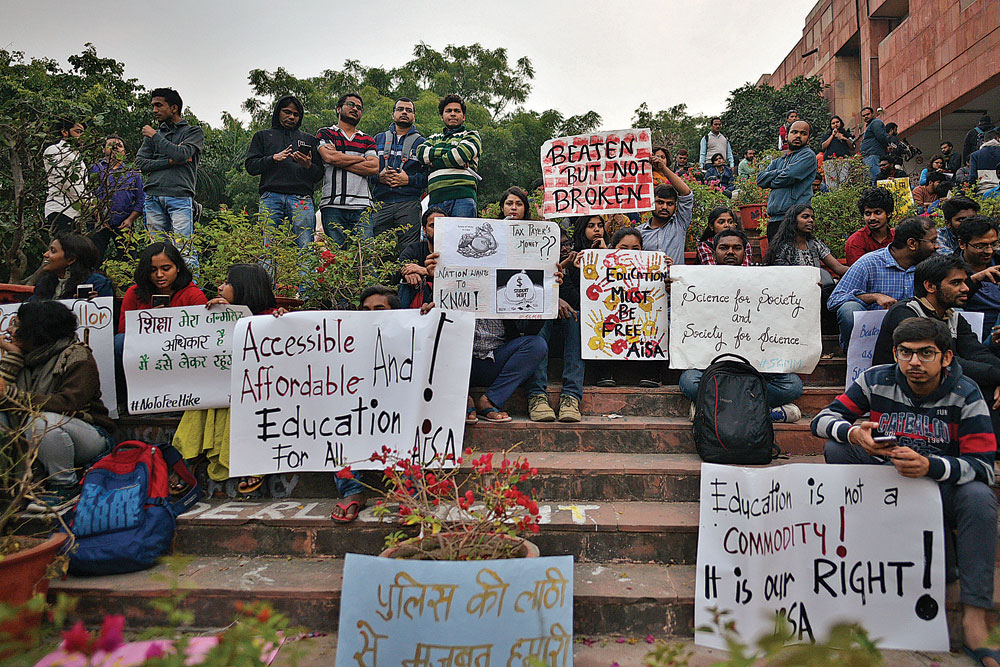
(249, 484)
(978, 654)
(178, 487)
(470, 415)
(346, 508)
(491, 410)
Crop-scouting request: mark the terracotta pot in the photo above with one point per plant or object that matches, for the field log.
(408, 548)
(10, 293)
(751, 216)
(23, 574)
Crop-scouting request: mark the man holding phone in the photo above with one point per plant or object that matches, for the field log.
(932, 422)
(289, 167)
(401, 179)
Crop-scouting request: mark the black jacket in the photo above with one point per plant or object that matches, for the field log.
(285, 177)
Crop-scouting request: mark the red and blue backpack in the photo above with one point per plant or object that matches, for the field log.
(125, 518)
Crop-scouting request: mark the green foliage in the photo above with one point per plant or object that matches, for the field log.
(836, 211)
(754, 113)
(675, 128)
(706, 197)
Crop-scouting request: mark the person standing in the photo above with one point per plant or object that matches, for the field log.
(715, 142)
(836, 143)
(666, 230)
(790, 176)
(65, 175)
(452, 157)
(288, 164)
(790, 117)
(976, 136)
(350, 159)
(874, 141)
(953, 161)
(401, 179)
(118, 192)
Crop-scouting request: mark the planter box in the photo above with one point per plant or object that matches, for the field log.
(10, 293)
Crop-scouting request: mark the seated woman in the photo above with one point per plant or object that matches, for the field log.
(937, 163)
(206, 432)
(720, 174)
(415, 281)
(514, 204)
(71, 260)
(719, 218)
(45, 367)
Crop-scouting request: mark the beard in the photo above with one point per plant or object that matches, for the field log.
(404, 124)
(344, 118)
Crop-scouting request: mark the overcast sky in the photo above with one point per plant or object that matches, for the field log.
(585, 55)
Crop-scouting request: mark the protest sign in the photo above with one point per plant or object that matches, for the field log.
(313, 391)
(810, 540)
(95, 327)
(422, 613)
(623, 304)
(597, 173)
(901, 188)
(867, 325)
(769, 315)
(179, 358)
(501, 269)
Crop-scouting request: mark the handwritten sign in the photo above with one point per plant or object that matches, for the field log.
(179, 358)
(810, 540)
(502, 269)
(95, 327)
(600, 172)
(769, 315)
(313, 391)
(901, 188)
(623, 305)
(431, 613)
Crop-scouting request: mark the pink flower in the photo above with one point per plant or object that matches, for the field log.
(650, 640)
(154, 651)
(110, 636)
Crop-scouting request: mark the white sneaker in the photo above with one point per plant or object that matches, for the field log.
(691, 413)
(789, 412)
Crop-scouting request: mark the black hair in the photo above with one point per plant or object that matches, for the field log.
(877, 198)
(388, 293)
(739, 233)
(914, 329)
(520, 194)
(580, 241)
(787, 232)
(170, 96)
(977, 225)
(665, 150)
(144, 285)
(842, 125)
(343, 98)
(665, 191)
(869, 108)
(404, 99)
(913, 227)
(713, 119)
(251, 287)
(431, 210)
(790, 112)
(936, 177)
(450, 98)
(540, 182)
(946, 143)
(114, 137)
(713, 215)
(42, 323)
(952, 207)
(86, 256)
(991, 135)
(720, 155)
(622, 233)
(683, 151)
(934, 270)
(891, 127)
(64, 125)
(937, 157)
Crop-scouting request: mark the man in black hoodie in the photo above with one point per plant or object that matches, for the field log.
(286, 160)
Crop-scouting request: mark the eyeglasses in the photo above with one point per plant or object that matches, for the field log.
(402, 109)
(354, 105)
(924, 353)
(985, 246)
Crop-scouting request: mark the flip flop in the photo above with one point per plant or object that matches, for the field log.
(178, 487)
(978, 654)
(249, 484)
(486, 412)
(470, 415)
(347, 518)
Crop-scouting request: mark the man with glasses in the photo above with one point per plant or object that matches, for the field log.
(956, 210)
(978, 244)
(401, 178)
(452, 156)
(350, 158)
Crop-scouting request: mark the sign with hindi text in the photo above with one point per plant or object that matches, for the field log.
(768, 315)
(420, 613)
(809, 540)
(597, 173)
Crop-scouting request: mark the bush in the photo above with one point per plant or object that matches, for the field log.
(837, 211)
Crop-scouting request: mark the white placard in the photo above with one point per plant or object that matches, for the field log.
(315, 390)
(811, 539)
(503, 269)
(179, 358)
(623, 305)
(95, 326)
(768, 315)
(491, 612)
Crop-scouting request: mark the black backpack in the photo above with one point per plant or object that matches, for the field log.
(732, 423)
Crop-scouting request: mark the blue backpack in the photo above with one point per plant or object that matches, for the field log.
(125, 518)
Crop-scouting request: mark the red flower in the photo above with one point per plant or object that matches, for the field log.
(111, 636)
(264, 615)
(77, 640)
(404, 510)
(345, 473)
(154, 651)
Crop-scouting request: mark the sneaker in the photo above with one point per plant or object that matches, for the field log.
(539, 409)
(606, 382)
(789, 412)
(54, 499)
(569, 409)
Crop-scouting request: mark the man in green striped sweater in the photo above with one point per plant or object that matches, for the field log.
(452, 157)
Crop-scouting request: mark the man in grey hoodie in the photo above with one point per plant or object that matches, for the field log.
(790, 176)
(168, 159)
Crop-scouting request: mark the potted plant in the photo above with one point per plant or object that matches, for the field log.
(465, 509)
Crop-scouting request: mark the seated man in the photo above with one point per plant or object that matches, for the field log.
(881, 278)
(955, 210)
(928, 197)
(977, 246)
(924, 386)
(782, 388)
(414, 279)
(875, 206)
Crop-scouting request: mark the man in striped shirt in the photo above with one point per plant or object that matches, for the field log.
(350, 158)
(929, 420)
(452, 156)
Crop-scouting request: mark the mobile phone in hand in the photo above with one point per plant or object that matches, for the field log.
(161, 300)
(884, 439)
(303, 148)
(83, 290)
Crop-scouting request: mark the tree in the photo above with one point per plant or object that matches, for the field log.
(754, 113)
(673, 127)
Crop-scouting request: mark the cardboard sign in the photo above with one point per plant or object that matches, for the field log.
(810, 540)
(900, 186)
(477, 613)
(179, 358)
(597, 173)
(95, 327)
(623, 305)
(313, 391)
(501, 269)
(768, 315)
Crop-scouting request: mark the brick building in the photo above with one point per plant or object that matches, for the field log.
(932, 65)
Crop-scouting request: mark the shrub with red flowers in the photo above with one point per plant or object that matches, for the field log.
(465, 508)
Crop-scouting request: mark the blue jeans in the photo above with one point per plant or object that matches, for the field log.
(298, 210)
(573, 366)
(459, 208)
(845, 320)
(348, 487)
(871, 161)
(337, 221)
(782, 388)
(512, 363)
(171, 215)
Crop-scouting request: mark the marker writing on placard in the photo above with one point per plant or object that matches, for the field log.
(842, 550)
(927, 607)
(428, 392)
(544, 250)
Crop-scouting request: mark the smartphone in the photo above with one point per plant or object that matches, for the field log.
(303, 148)
(884, 439)
(83, 290)
(161, 300)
